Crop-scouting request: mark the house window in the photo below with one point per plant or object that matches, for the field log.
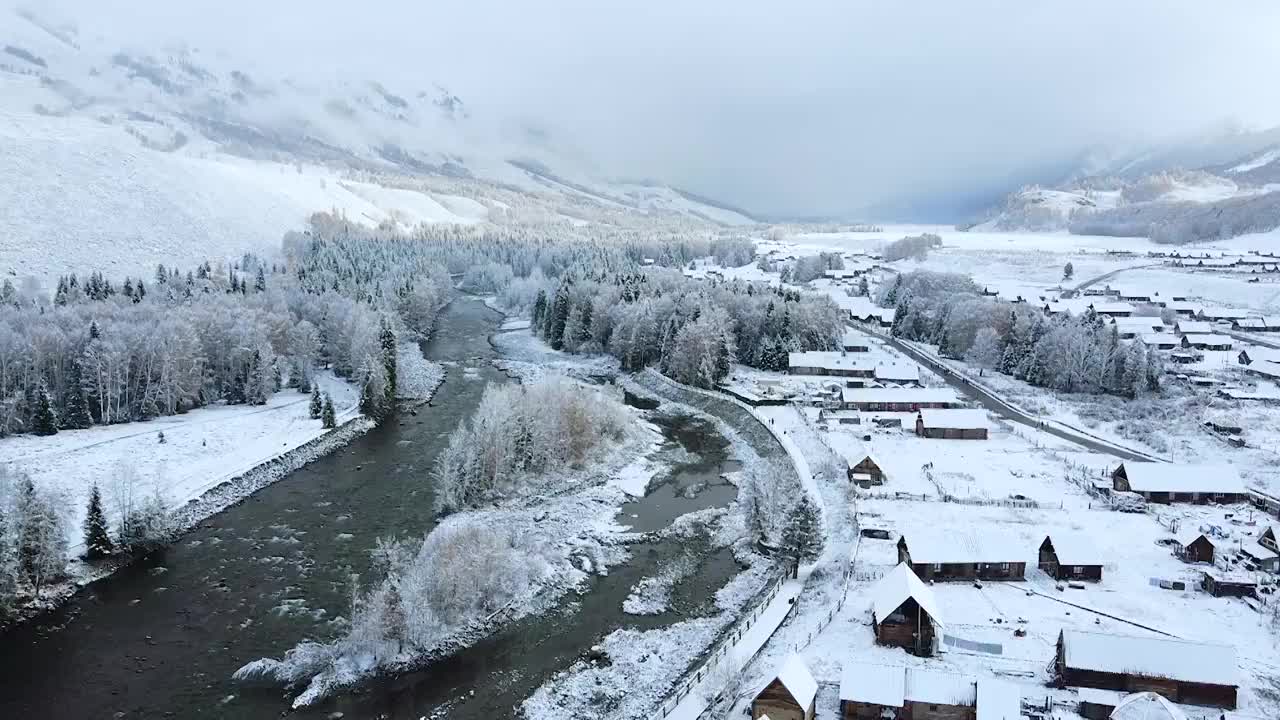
(1077, 569)
(937, 567)
(1004, 567)
(933, 708)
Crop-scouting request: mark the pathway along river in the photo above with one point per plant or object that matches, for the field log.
(160, 639)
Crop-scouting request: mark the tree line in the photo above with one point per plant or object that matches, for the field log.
(1077, 354)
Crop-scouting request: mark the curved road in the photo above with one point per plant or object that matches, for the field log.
(1001, 407)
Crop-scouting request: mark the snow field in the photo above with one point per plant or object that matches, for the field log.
(201, 450)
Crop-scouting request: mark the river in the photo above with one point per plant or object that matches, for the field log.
(162, 637)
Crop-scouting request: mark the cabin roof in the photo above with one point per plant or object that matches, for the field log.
(896, 588)
(798, 681)
(1179, 660)
(899, 395)
(955, 419)
(1075, 549)
(1167, 477)
(961, 547)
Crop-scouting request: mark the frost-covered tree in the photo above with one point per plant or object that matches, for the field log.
(1068, 271)
(97, 539)
(328, 420)
(985, 351)
(40, 532)
(802, 539)
(317, 404)
(44, 420)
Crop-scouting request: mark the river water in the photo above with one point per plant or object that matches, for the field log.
(162, 637)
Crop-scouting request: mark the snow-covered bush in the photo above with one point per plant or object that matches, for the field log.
(519, 431)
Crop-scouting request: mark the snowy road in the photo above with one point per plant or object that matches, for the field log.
(1003, 408)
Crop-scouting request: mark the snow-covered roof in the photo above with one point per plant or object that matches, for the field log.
(1146, 706)
(957, 419)
(896, 587)
(1252, 322)
(962, 545)
(1224, 313)
(1258, 551)
(1183, 305)
(1262, 354)
(1160, 339)
(874, 684)
(798, 681)
(1192, 327)
(1138, 324)
(899, 395)
(1264, 367)
(852, 338)
(1167, 477)
(1186, 537)
(899, 372)
(940, 688)
(1118, 307)
(1075, 549)
(859, 307)
(1151, 657)
(999, 700)
(828, 360)
(1209, 339)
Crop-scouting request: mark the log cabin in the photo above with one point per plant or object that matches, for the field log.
(962, 556)
(789, 696)
(1181, 671)
(904, 613)
(1070, 557)
(1169, 483)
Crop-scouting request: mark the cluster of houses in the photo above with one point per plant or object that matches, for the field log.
(1116, 677)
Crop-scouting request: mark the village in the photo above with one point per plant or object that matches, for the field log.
(1009, 566)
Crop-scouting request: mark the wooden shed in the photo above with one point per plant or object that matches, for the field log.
(866, 472)
(904, 612)
(1170, 483)
(1071, 557)
(1195, 547)
(962, 555)
(1219, 583)
(789, 696)
(1262, 553)
(953, 424)
(1181, 671)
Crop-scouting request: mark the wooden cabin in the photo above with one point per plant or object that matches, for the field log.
(789, 696)
(953, 424)
(904, 613)
(1181, 671)
(1070, 558)
(1170, 483)
(866, 472)
(870, 691)
(1195, 547)
(962, 556)
(1206, 342)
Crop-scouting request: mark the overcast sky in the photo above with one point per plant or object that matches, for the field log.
(803, 107)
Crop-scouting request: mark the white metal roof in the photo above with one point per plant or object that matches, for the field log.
(940, 688)
(1167, 477)
(874, 684)
(1209, 339)
(900, 395)
(828, 360)
(898, 372)
(966, 545)
(955, 419)
(1146, 706)
(999, 700)
(798, 681)
(1151, 657)
(1075, 549)
(1192, 327)
(893, 589)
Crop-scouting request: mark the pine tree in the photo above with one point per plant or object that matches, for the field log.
(802, 538)
(891, 297)
(255, 391)
(75, 406)
(864, 290)
(317, 404)
(559, 318)
(584, 328)
(97, 541)
(539, 309)
(127, 289)
(44, 420)
(327, 418)
(260, 281)
(901, 320)
(387, 339)
(1068, 271)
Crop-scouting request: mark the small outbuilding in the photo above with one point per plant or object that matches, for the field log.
(1221, 583)
(898, 399)
(1181, 671)
(866, 472)
(789, 696)
(904, 612)
(1070, 557)
(1195, 547)
(898, 374)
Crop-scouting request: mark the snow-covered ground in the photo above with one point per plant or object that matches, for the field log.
(201, 450)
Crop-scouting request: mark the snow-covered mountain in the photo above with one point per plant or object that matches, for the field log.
(111, 153)
(1148, 188)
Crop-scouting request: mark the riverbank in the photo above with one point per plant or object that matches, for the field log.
(205, 443)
